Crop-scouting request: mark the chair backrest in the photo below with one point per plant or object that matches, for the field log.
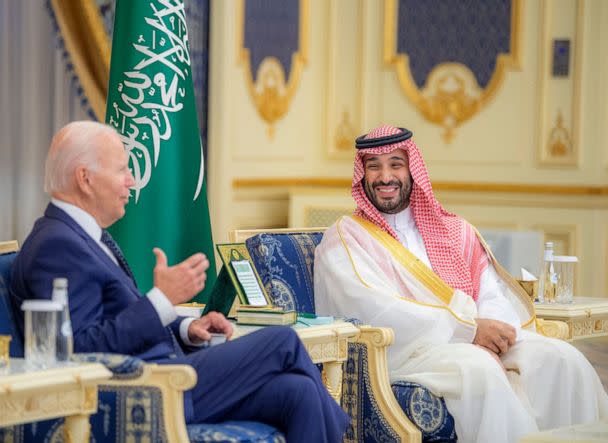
(284, 259)
(8, 253)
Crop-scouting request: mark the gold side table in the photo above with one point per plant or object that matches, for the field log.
(586, 317)
(66, 390)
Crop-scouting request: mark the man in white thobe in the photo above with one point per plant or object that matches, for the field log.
(463, 327)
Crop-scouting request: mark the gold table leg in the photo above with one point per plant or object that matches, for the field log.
(77, 429)
(332, 379)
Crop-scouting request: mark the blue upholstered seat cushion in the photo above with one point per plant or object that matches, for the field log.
(285, 263)
(235, 431)
(427, 411)
(7, 326)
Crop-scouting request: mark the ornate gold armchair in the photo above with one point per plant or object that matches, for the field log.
(403, 411)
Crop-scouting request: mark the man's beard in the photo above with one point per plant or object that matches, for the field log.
(390, 206)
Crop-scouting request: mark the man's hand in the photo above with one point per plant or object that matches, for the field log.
(183, 281)
(495, 335)
(201, 328)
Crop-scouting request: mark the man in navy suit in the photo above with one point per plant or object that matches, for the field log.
(265, 376)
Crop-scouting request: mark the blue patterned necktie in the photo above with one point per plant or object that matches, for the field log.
(107, 240)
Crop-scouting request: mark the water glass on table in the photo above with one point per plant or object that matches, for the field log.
(40, 332)
(564, 270)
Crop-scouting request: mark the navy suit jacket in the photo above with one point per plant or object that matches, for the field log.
(108, 312)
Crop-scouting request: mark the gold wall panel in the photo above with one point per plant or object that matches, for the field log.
(344, 100)
(559, 97)
(451, 94)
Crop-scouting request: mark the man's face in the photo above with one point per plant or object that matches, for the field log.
(387, 181)
(110, 183)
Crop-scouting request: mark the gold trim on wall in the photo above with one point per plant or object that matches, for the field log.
(545, 156)
(521, 188)
(272, 92)
(438, 101)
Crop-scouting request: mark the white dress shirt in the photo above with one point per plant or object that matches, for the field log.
(491, 302)
(164, 308)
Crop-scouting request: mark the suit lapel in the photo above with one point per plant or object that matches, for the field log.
(54, 212)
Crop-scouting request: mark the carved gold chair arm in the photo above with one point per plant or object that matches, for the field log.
(172, 381)
(553, 328)
(377, 341)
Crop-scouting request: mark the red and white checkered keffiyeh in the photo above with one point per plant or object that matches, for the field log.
(452, 246)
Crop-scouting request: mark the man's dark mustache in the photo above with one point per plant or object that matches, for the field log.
(391, 183)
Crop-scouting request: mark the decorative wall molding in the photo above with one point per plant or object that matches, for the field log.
(559, 142)
(564, 236)
(345, 134)
(559, 98)
(346, 35)
(273, 85)
(451, 94)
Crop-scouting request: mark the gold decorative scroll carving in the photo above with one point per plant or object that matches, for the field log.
(272, 92)
(560, 142)
(345, 134)
(451, 94)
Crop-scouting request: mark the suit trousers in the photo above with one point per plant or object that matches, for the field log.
(266, 376)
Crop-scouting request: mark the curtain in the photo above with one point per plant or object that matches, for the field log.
(37, 98)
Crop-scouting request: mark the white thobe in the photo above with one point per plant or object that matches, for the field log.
(555, 385)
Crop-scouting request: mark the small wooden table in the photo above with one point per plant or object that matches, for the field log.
(327, 344)
(65, 390)
(589, 433)
(586, 317)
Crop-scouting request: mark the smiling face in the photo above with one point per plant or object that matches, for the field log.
(110, 182)
(387, 181)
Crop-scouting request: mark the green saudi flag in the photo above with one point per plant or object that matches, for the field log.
(151, 104)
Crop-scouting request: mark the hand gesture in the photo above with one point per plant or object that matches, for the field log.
(183, 281)
(495, 335)
(201, 328)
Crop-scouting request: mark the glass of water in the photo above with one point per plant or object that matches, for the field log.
(40, 331)
(564, 271)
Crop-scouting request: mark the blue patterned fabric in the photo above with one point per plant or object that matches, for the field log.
(285, 263)
(367, 424)
(7, 326)
(108, 240)
(425, 410)
(470, 32)
(235, 432)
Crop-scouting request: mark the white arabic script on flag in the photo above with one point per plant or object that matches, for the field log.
(146, 104)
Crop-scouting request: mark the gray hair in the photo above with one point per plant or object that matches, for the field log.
(76, 144)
